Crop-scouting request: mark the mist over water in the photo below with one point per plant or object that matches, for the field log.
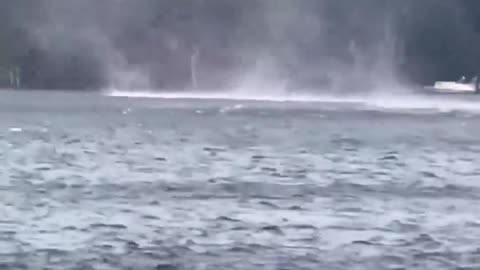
(321, 45)
(276, 46)
(262, 50)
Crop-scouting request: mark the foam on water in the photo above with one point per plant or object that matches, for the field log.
(376, 101)
(418, 102)
(282, 97)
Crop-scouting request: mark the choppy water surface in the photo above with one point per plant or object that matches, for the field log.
(91, 182)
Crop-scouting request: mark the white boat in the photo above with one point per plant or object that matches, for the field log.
(459, 87)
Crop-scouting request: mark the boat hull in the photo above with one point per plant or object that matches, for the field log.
(455, 88)
(435, 91)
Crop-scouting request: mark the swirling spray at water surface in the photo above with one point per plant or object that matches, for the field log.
(272, 46)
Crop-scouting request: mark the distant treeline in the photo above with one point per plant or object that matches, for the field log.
(73, 44)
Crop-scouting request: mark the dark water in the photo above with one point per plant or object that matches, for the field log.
(91, 182)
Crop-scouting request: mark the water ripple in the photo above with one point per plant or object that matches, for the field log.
(249, 188)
